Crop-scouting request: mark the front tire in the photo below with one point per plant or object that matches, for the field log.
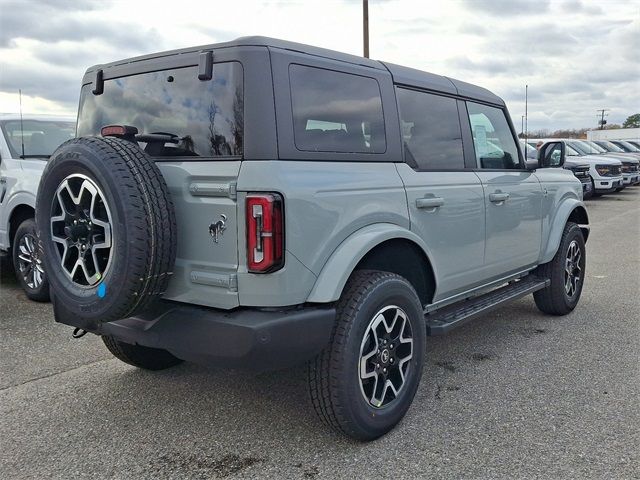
(27, 261)
(142, 357)
(566, 272)
(364, 381)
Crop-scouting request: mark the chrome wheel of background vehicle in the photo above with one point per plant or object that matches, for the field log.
(573, 270)
(387, 348)
(81, 229)
(29, 263)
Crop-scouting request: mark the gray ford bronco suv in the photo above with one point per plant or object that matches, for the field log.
(260, 203)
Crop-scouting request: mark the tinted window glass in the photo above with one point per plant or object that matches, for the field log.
(492, 138)
(206, 115)
(40, 138)
(336, 112)
(430, 130)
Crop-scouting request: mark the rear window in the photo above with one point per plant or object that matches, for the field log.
(206, 116)
(336, 112)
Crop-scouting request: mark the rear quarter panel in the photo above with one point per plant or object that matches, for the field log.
(325, 202)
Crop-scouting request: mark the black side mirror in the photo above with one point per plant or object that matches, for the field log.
(552, 154)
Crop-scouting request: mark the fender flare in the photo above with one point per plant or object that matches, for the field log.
(17, 200)
(347, 255)
(557, 226)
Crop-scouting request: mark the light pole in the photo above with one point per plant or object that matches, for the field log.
(365, 27)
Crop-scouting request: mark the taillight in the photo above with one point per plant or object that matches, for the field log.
(265, 232)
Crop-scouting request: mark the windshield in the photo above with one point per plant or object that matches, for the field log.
(572, 152)
(630, 147)
(593, 147)
(41, 137)
(610, 147)
(204, 117)
(580, 147)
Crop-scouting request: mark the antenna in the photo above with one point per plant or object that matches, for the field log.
(21, 127)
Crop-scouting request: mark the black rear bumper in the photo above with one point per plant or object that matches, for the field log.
(245, 338)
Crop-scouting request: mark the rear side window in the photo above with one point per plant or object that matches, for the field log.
(336, 112)
(492, 138)
(205, 116)
(430, 130)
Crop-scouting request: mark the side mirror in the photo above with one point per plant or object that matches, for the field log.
(531, 164)
(552, 154)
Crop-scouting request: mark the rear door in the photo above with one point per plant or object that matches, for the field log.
(512, 195)
(204, 107)
(445, 198)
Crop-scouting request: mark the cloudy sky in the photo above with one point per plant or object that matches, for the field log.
(577, 56)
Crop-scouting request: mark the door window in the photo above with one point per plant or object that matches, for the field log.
(492, 138)
(431, 132)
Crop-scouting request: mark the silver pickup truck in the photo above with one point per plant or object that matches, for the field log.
(261, 203)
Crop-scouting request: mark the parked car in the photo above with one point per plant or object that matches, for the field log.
(605, 172)
(630, 167)
(579, 169)
(261, 203)
(25, 145)
(635, 143)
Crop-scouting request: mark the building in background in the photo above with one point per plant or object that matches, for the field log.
(614, 134)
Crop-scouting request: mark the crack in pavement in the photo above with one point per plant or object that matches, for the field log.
(43, 377)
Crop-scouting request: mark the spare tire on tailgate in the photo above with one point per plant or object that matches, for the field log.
(107, 229)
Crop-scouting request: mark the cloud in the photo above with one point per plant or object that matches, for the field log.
(572, 60)
(507, 7)
(577, 6)
(51, 22)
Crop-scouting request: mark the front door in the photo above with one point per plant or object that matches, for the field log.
(445, 198)
(512, 195)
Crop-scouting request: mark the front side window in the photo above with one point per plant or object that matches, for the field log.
(336, 111)
(206, 117)
(492, 138)
(430, 130)
(40, 138)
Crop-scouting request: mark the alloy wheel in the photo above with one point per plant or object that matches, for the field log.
(29, 262)
(385, 354)
(82, 230)
(572, 270)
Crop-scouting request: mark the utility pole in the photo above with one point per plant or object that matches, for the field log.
(365, 27)
(526, 111)
(602, 122)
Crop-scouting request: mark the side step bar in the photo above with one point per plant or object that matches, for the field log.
(447, 318)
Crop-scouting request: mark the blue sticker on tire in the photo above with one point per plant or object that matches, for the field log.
(102, 290)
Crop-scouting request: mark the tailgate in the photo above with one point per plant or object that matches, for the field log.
(204, 196)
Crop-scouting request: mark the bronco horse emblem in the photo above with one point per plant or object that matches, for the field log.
(217, 229)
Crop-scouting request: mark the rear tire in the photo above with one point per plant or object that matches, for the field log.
(139, 356)
(566, 272)
(27, 262)
(348, 380)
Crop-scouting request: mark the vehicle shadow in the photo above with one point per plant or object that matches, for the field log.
(7, 275)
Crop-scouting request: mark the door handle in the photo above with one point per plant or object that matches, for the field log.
(498, 197)
(429, 202)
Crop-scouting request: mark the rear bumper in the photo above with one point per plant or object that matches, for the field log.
(247, 338)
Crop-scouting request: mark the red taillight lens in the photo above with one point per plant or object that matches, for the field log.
(265, 232)
(118, 131)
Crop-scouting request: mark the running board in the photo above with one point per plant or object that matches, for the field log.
(447, 318)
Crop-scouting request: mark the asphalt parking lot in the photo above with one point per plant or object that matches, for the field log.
(515, 394)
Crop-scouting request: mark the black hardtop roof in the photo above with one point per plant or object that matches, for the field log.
(403, 75)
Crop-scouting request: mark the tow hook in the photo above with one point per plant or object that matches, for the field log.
(78, 333)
